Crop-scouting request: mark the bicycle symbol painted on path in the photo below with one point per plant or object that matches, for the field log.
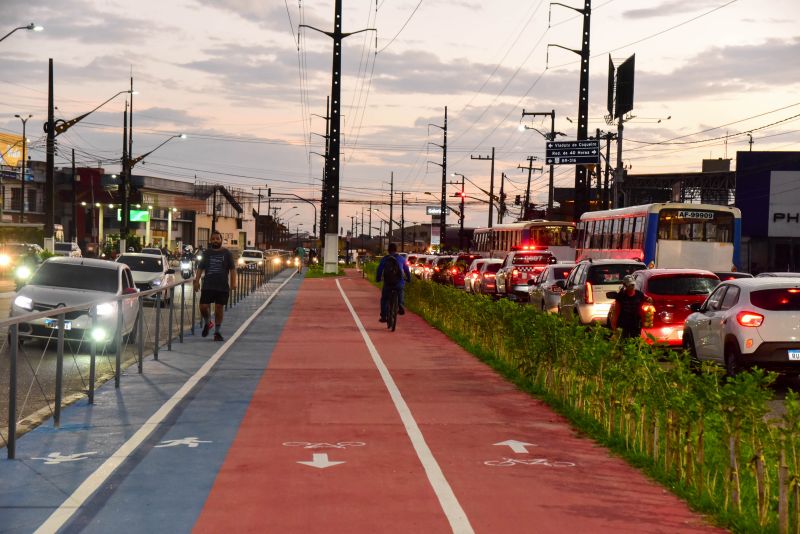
(510, 462)
(310, 445)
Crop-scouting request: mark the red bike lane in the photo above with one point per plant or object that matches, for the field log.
(453, 448)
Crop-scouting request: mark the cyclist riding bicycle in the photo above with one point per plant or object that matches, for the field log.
(394, 276)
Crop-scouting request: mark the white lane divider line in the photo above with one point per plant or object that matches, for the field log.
(458, 519)
(73, 503)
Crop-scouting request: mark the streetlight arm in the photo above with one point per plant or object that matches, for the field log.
(134, 161)
(62, 126)
(30, 26)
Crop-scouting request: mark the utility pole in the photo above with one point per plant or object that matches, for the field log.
(214, 211)
(549, 137)
(370, 220)
(391, 206)
(491, 184)
(123, 181)
(402, 221)
(323, 208)
(74, 230)
(50, 125)
(581, 185)
(501, 209)
(24, 163)
(443, 165)
(126, 171)
(332, 161)
(530, 159)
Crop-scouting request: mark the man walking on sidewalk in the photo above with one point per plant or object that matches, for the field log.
(219, 267)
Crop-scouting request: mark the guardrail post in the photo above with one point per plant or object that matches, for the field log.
(118, 344)
(158, 326)
(140, 333)
(171, 316)
(13, 336)
(183, 308)
(59, 371)
(92, 352)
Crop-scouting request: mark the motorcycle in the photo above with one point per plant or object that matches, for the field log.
(22, 274)
(186, 268)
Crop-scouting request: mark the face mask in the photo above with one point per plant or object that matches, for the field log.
(216, 245)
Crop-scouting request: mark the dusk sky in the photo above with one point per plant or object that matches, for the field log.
(228, 73)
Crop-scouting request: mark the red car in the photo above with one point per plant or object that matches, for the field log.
(459, 268)
(673, 292)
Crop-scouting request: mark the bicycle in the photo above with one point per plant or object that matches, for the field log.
(394, 305)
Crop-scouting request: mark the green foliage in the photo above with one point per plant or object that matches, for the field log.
(317, 271)
(706, 437)
(46, 254)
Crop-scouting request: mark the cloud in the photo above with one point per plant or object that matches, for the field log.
(669, 8)
(268, 15)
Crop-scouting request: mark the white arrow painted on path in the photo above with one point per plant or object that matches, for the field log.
(320, 461)
(517, 446)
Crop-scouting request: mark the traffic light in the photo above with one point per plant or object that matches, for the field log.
(462, 194)
(518, 200)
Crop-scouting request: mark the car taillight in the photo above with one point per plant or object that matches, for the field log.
(489, 275)
(474, 276)
(515, 273)
(748, 318)
(454, 270)
(436, 269)
(588, 295)
(648, 312)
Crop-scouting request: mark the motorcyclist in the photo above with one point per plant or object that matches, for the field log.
(28, 263)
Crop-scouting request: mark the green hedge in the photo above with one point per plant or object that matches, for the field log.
(709, 439)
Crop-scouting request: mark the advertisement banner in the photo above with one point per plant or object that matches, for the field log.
(784, 204)
(10, 149)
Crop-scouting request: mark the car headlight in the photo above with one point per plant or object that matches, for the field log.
(104, 309)
(23, 302)
(186, 265)
(276, 261)
(5, 260)
(156, 282)
(261, 262)
(23, 272)
(98, 334)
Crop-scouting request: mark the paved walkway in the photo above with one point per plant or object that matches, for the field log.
(318, 419)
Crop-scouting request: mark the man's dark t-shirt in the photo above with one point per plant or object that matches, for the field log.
(630, 319)
(216, 264)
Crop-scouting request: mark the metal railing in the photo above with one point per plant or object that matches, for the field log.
(39, 387)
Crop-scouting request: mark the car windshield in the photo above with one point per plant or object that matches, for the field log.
(612, 273)
(779, 299)
(63, 247)
(531, 259)
(493, 267)
(151, 251)
(687, 284)
(76, 276)
(16, 250)
(142, 263)
(252, 254)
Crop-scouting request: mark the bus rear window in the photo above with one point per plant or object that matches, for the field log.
(695, 225)
(781, 299)
(553, 236)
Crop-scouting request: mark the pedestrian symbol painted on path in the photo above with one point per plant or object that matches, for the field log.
(57, 458)
(192, 442)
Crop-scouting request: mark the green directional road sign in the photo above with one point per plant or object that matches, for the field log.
(135, 215)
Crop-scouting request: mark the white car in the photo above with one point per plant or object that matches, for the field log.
(67, 282)
(748, 322)
(69, 249)
(149, 272)
(251, 259)
(545, 293)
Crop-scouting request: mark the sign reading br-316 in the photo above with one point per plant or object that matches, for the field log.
(573, 152)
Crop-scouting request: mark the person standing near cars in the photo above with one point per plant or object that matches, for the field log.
(628, 309)
(220, 279)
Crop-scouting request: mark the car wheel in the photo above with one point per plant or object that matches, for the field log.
(688, 346)
(732, 360)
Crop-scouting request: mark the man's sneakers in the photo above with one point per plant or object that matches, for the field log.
(218, 336)
(382, 320)
(401, 311)
(206, 327)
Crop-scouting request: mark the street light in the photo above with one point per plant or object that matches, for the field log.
(24, 161)
(31, 26)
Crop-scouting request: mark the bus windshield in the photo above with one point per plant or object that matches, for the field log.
(695, 225)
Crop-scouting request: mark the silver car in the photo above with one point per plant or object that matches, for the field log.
(584, 296)
(545, 293)
(64, 282)
(149, 272)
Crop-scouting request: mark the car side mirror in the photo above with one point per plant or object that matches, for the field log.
(169, 271)
(612, 295)
(562, 284)
(130, 291)
(696, 306)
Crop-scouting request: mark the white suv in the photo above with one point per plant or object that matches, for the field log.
(585, 292)
(747, 322)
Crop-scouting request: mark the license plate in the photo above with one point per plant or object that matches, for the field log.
(53, 323)
(794, 354)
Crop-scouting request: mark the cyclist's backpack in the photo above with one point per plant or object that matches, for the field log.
(392, 274)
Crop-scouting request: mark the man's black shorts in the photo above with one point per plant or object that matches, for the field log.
(209, 296)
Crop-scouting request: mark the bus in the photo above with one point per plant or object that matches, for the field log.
(539, 234)
(666, 235)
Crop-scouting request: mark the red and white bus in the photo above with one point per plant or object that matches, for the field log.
(556, 236)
